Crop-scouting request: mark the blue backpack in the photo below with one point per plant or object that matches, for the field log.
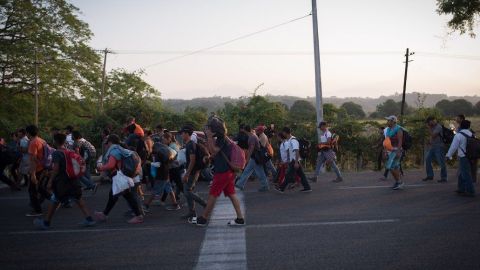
(130, 163)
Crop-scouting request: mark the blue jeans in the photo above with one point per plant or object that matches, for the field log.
(321, 161)
(249, 169)
(465, 177)
(86, 179)
(438, 153)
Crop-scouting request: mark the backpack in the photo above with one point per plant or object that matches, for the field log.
(407, 140)
(130, 164)
(47, 156)
(8, 156)
(237, 157)
(447, 135)
(162, 152)
(472, 150)
(242, 140)
(75, 165)
(141, 150)
(200, 153)
(261, 155)
(304, 147)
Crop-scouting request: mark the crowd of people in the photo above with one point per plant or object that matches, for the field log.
(141, 161)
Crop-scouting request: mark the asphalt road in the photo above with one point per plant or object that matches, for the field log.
(357, 224)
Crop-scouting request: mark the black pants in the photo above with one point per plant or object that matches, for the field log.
(129, 196)
(176, 177)
(290, 176)
(38, 192)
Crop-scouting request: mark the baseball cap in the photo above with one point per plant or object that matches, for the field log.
(260, 129)
(392, 118)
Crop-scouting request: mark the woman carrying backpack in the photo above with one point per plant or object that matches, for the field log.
(112, 161)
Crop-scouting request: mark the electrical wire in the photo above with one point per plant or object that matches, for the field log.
(226, 42)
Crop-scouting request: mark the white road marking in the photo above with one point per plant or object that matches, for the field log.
(223, 247)
(327, 223)
(369, 187)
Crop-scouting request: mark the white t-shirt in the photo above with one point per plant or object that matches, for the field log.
(284, 151)
(325, 136)
(293, 146)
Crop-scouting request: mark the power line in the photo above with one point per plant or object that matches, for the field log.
(227, 42)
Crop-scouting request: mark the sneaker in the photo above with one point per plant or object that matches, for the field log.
(237, 222)
(129, 213)
(33, 214)
(291, 186)
(397, 186)
(201, 221)
(173, 207)
(192, 220)
(279, 190)
(99, 216)
(39, 223)
(88, 223)
(263, 189)
(239, 187)
(338, 180)
(306, 190)
(146, 209)
(136, 220)
(442, 181)
(427, 179)
(189, 215)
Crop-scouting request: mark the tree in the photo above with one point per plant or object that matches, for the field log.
(464, 14)
(354, 110)
(452, 108)
(302, 111)
(390, 107)
(477, 108)
(68, 69)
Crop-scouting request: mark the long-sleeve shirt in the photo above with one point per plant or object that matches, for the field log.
(459, 144)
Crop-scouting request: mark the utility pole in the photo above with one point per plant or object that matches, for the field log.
(318, 78)
(407, 54)
(102, 93)
(35, 85)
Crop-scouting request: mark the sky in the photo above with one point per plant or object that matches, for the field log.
(362, 46)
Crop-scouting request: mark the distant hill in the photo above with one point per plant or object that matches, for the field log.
(368, 104)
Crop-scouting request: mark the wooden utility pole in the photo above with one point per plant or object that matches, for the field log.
(102, 93)
(318, 77)
(35, 85)
(407, 54)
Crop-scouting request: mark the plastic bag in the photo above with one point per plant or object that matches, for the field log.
(121, 182)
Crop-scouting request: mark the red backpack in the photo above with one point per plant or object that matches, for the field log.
(237, 160)
(75, 165)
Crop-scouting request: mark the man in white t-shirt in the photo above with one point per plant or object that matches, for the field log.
(294, 165)
(326, 155)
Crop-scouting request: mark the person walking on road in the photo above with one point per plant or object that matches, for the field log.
(220, 148)
(459, 144)
(253, 164)
(326, 155)
(393, 149)
(62, 187)
(436, 149)
(294, 165)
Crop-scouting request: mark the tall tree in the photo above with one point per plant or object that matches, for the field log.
(390, 107)
(353, 109)
(50, 29)
(302, 111)
(465, 14)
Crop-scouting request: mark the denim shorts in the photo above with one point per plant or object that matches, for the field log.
(393, 161)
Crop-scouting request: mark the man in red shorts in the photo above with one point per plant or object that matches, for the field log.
(223, 178)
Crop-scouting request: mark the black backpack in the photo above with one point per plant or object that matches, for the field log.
(242, 140)
(407, 140)
(472, 151)
(200, 153)
(447, 135)
(8, 156)
(304, 147)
